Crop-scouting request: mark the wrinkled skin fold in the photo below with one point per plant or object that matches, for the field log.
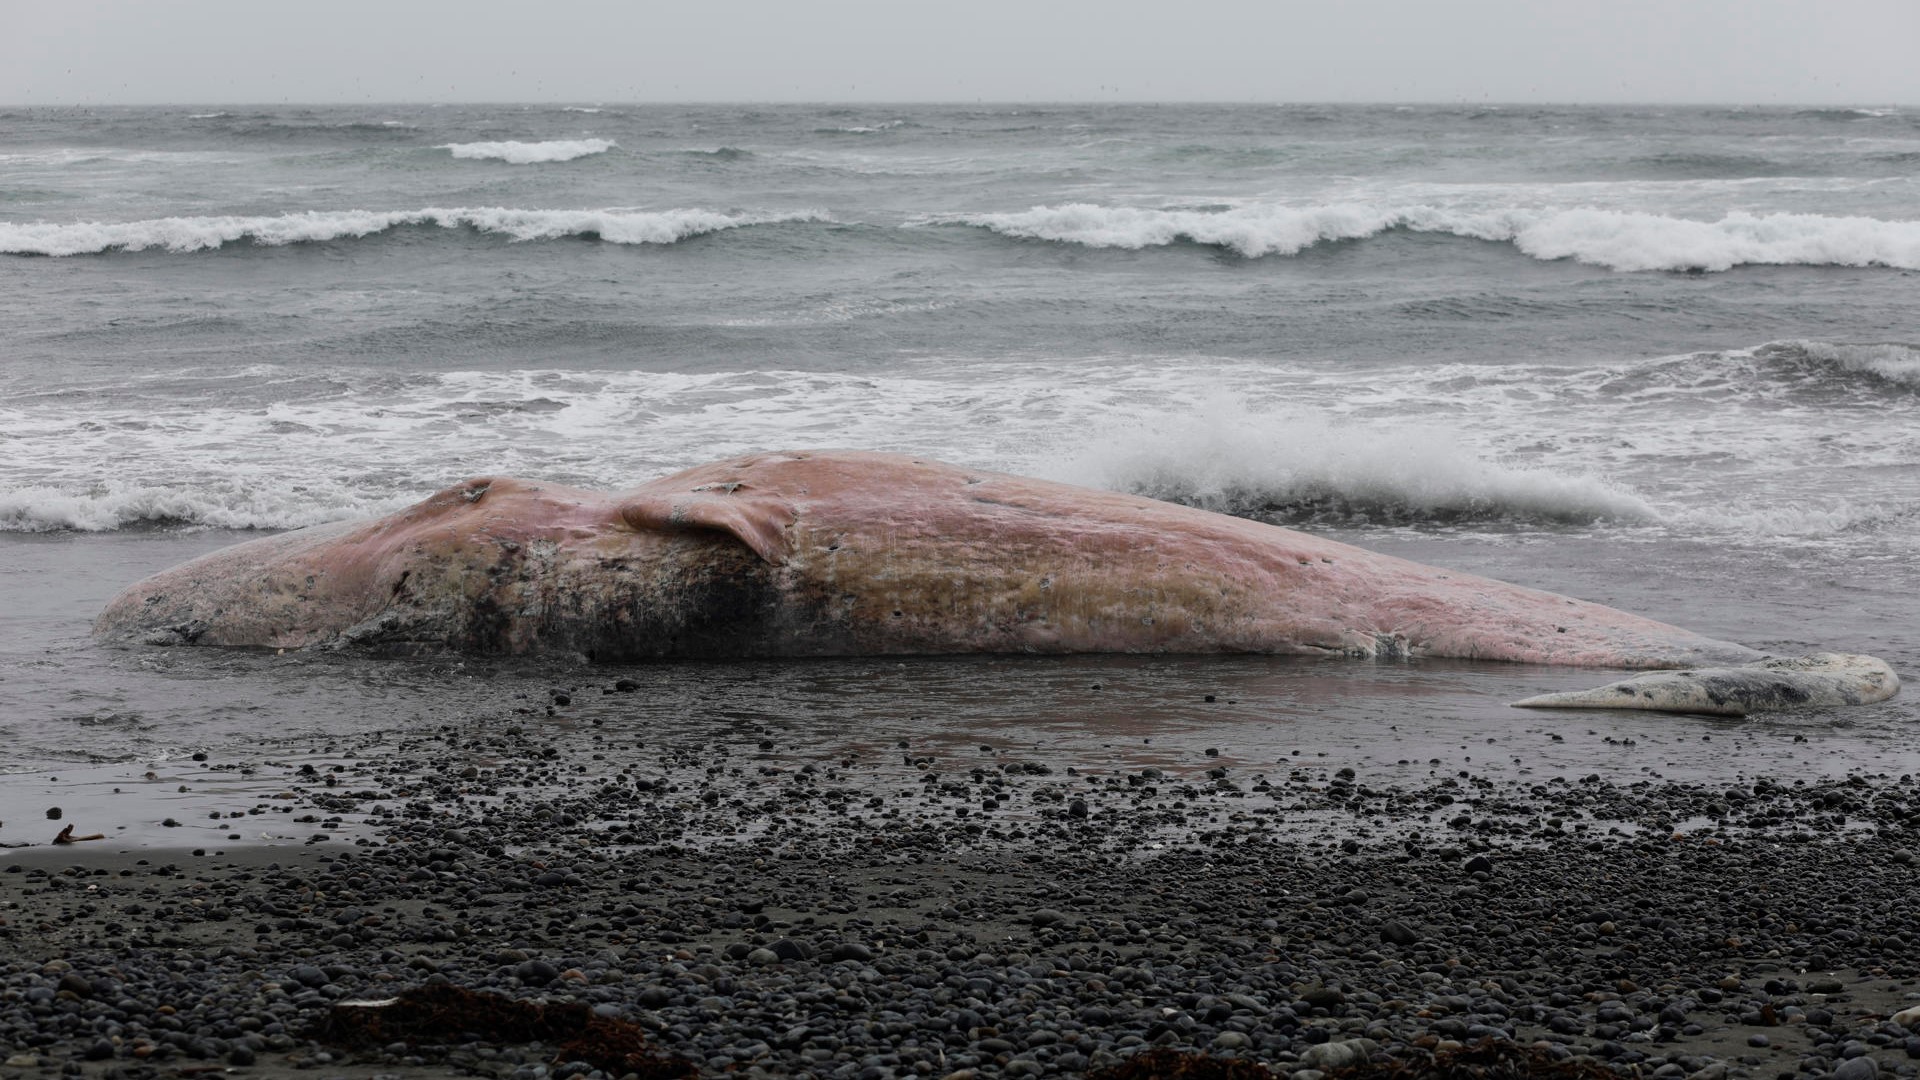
(852, 553)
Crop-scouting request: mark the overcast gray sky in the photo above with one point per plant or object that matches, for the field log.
(217, 51)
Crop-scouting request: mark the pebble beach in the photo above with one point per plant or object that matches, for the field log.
(946, 910)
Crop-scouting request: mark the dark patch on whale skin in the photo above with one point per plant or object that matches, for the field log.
(1757, 692)
(693, 594)
(696, 597)
(701, 598)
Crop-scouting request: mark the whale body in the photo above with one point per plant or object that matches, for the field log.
(844, 553)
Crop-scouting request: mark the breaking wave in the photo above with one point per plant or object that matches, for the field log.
(185, 234)
(1619, 240)
(525, 153)
(1895, 362)
(1303, 469)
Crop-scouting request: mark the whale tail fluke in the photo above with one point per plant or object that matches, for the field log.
(1820, 680)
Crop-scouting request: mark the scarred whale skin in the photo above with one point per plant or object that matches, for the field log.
(857, 553)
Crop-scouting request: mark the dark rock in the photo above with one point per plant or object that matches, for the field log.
(1397, 933)
(1857, 1068)
(1324, 997)
(308, 975)
(535, 972)
(790, 950)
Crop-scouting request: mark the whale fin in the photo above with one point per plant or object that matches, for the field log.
(1806, 682)
(758, 521)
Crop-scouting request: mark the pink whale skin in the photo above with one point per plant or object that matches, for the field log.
(854, 553)
(847, 553)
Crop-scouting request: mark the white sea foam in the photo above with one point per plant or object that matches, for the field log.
(526, 153)
(617, 225)
(1630, 241)
(1793, 519)
(1688, 445)
(1616, 239)
(211, 503)
(250, 467)
(207, 115)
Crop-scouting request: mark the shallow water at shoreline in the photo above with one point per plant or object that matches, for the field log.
(102, 718)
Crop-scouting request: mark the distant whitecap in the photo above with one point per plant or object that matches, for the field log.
(529, 153)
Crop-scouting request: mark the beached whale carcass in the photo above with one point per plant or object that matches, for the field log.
(856, 553)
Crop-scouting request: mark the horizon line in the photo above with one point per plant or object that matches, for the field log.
(952, 102)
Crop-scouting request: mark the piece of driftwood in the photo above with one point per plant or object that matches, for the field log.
(66, 836)
(444, 1014)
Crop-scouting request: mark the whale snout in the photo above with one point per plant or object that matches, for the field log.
(1819, 680)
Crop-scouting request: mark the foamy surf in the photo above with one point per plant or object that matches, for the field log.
(189, 234)
(529, 153)
(1618, 240)
(208, 503)
(1546, 446)
(1793, 520)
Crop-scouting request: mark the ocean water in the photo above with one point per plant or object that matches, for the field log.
(1662, 358)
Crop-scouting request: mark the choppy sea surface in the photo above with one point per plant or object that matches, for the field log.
(1663, 358)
